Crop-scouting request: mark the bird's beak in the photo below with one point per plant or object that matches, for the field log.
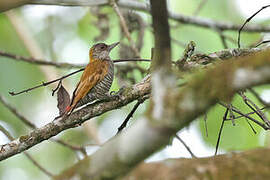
(112, 46)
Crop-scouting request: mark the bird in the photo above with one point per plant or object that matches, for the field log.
(96, 79)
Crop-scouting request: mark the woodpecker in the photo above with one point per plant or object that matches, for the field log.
(96, 79)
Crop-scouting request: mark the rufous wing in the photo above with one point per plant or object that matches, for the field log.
(94, 72)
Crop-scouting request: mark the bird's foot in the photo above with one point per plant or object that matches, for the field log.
(116, 95)
(113, 95)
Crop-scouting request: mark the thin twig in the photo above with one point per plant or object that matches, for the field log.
(205, 124)
(248, 19)
(144, 7)
(254, 107)
(38, 165)
(185, 145)
(259, 97)
(124, 27)
(252, 128)
(247, 114)
(223, 39)
(57, 87)
(131, 59)
(124, 124)
(6, 133)
(197, 21)
(39, 61)
(199, 7)
(32, 60)
(12, 93)
(220, 130)
(231, 115)
(264, 126)
(73, 147)
(263, 42)
(44, 83)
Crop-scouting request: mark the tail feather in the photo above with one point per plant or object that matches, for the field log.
(68, 108)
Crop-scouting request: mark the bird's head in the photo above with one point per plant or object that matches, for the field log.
(101, 51)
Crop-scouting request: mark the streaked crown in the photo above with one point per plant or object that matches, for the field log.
(101, 51)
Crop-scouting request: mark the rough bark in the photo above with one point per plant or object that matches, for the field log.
(253, 164)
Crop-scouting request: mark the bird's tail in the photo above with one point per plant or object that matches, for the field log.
(68, 109)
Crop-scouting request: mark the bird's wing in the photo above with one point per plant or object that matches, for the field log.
(93, 73)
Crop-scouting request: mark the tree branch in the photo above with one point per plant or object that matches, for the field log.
(96, 109)
(16, 113)
(39, 61)
(197, 21)
(32, 60)
(125, 28)
(76, 118)
(252, 164)
(135, 5)
(182, 106)
(162, 50)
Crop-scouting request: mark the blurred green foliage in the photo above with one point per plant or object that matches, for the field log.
(56, 33)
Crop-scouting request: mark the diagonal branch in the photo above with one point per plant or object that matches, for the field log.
(263, 125)
(51, 129)
(33, 126)
(16, 113)
(186, 146)
(183, 106)
(125, 28)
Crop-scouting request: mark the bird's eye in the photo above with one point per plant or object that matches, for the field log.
(102, 47)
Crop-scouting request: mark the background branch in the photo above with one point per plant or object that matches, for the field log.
(134, 5)
(125, 28)
(36, 61)
(231, 165)
(162, 50)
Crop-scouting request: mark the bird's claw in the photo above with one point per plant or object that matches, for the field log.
(112, 93)
(116, 95)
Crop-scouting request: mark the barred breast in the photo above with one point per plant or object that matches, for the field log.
(101, 89)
